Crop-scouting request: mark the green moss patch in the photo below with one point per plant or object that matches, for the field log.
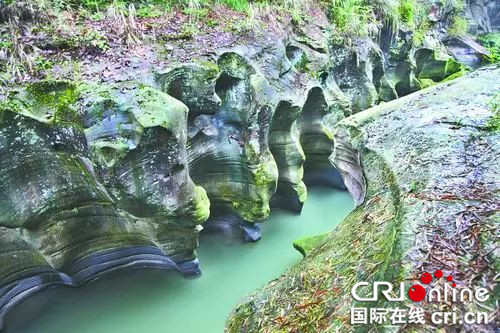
(47, 101)
(307, 244)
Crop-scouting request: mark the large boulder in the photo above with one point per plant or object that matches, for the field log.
(138, 144)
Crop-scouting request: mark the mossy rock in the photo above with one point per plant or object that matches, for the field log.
(48, 101)
(436, 66)
(307, 244)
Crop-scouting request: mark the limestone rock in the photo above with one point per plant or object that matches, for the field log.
(233, 162)
(83, 193)
(467, 51)
(426, 186)
(352, 70)
(435, 65)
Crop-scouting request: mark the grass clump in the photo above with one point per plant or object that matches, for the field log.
(406, 11)
(238, 5)
(353, 18)
(16, 58)
(124, 23)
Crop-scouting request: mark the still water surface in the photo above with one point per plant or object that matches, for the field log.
(149, 301)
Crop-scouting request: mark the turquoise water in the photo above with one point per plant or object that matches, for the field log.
(159, 301)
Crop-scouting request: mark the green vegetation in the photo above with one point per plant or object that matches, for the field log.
(48, 101)
(458, 26)
(146, 8)
(406, 10)
(492, 43)
(239, 5)
(361, 18)
(306, 245)
(353, 18)
(96, 26)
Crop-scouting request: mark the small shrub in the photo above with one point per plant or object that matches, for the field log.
(405, 12)
(94, 40)
(420, 32)
(352, 18)
(42, 64)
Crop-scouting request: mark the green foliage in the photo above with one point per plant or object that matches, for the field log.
(406, 12)
(5, 43)
(454, 5)
(89, 40)
(492, 43)
(359, 18)
(352, 18)
(90, 5)
(459, 26)
(413, 186)
(187, 31)
(146, 8)
(420, 31)
(385, 10)
(195, 10)
(95, 40)
(151, 10)
(238, 5)
(42, 64)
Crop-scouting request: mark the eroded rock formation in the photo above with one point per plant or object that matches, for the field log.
(427, 199)
(97, 176)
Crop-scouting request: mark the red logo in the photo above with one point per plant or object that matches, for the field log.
(417, 293)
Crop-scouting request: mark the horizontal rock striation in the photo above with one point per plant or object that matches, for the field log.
(59, 224)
